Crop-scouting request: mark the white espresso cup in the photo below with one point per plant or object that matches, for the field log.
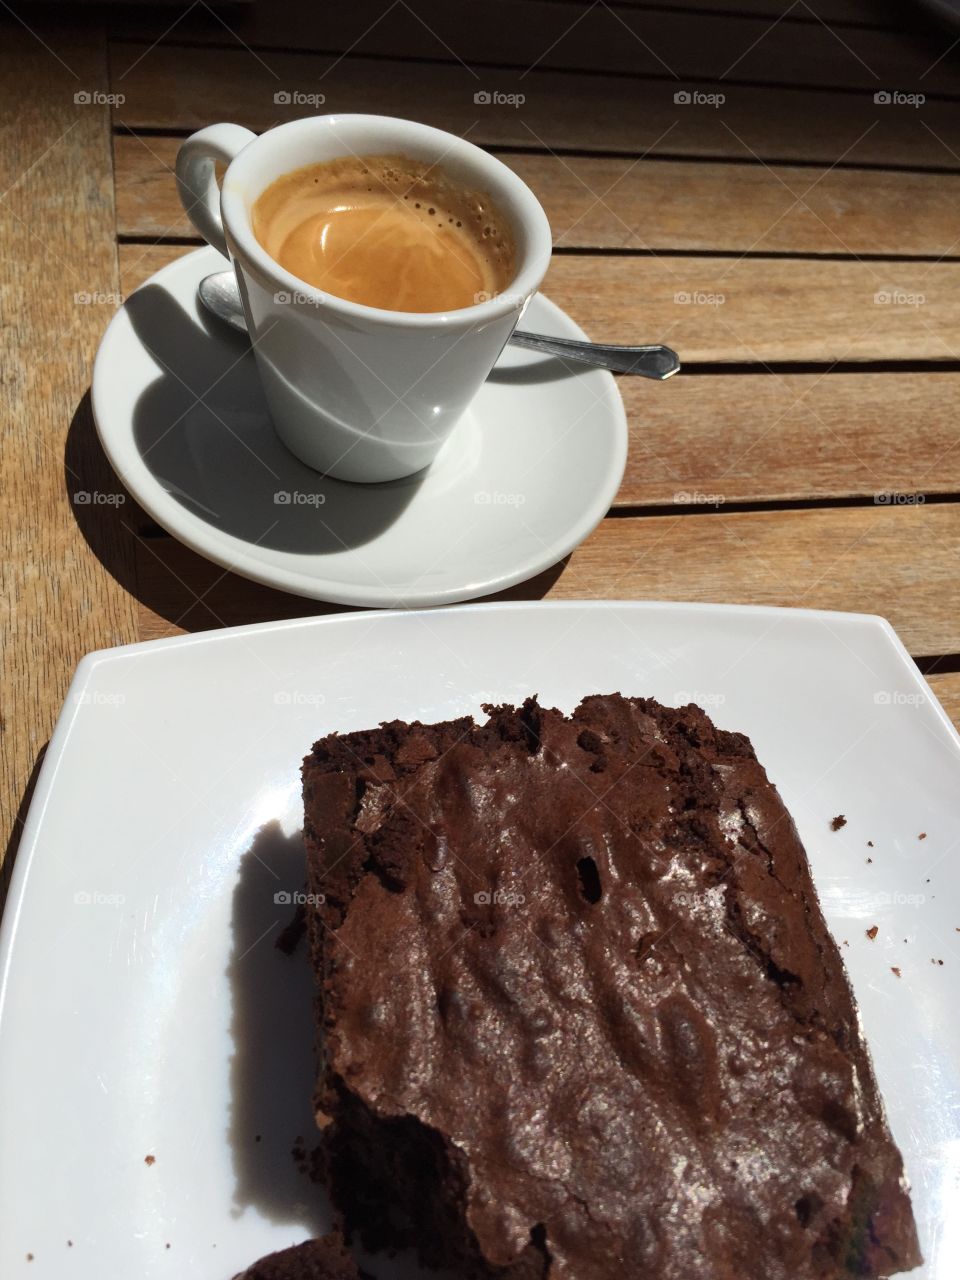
(358, 392)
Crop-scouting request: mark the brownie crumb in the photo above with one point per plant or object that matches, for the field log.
(29, 1257)
(149, 1159)
(870, 844)
(869, 859)
(838, 822)
(922, 835)
(873, 931)
(894, 970)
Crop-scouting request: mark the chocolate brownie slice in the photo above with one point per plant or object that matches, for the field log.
(581, 1015)
(323, 1259)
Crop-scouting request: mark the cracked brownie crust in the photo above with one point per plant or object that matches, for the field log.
(581, 1016)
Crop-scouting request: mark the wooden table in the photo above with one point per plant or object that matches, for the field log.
(814, 231)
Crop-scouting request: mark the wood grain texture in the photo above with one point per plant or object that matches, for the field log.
(688, 46)
(57, 223)
(947, 689)
(771, 438)
(597, 202)
(176, 88)
(728, 309)
(762, 438)
(899, 562)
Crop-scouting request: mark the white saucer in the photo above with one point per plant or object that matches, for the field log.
(525, 476)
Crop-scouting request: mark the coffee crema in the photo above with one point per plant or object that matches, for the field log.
(386, 231)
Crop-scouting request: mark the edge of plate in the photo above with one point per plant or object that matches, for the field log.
(73, 700)
(43, 787)
(692, 607)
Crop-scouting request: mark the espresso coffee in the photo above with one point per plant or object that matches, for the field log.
(388, 232)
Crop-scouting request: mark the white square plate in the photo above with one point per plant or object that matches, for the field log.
(145, 1010)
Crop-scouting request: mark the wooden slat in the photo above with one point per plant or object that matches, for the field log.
(691, 48)
(598, 202)
(62, 564)
(947, 689)
(174, 88)
(298, 24)
(771, 438)
(773, 310)
(250, 19)
(139, 261)
(779, 309)
(767, 437)
(902, 563)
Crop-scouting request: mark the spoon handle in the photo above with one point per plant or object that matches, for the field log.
(649, 362)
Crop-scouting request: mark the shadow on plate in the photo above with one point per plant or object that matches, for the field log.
(203, 430)
(273, 1066)
(534, 372)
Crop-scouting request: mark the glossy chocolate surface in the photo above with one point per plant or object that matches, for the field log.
(584, 957)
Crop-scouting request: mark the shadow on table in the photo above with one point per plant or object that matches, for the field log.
(16, 831)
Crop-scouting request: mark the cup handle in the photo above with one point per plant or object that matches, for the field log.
(197, 176)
